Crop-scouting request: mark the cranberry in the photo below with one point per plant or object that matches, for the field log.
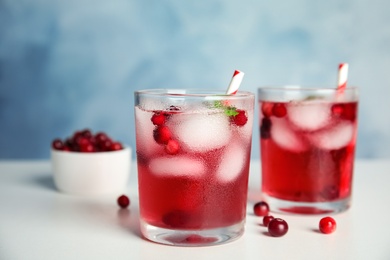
(82, 141)
(181, 219)
(87, 148)
(123, 201)
(162, 134)
(267, 220)
(101, 137)
(158, 118)
(240, 119)
(344, 111)
(277, 227)
(265, 128)
(327, 225)
(86, 133)
(174, 108)
(172, 147)
(261, 208)
(279, 110)
(266, 109)
(105, 145)
(57, 144)
(115, 146)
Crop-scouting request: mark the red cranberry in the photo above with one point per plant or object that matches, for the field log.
(86, 133)
(327, 225)
(158, 118)
(344, 111)
(172, 147)
(105, 145)
(115, 146)
(277, 227)
(123, 201)
(279, 110)
(261, 208)
(174, 108)
(240, 119)
(162, 134)
(182, 219)
(87, 148)
(266, 109)
(101, 137)
(57, 144)
(267, 220)
(265, 128)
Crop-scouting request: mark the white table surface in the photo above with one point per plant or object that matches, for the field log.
(38, 222)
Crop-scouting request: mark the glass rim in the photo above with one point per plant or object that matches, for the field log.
(196, 93)
(304, 88)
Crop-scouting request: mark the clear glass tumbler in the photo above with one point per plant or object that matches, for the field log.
(307, 141)
(193, 153)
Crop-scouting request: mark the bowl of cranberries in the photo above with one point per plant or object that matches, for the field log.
(90, 163)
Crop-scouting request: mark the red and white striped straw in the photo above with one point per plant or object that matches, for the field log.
(235, 82)
(343, 77)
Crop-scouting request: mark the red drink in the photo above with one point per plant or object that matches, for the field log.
(307, 153)
(193, 165)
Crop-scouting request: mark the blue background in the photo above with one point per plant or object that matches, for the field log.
(68, 65)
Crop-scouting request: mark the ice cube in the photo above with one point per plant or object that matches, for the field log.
(283, 134)
(232, 162)
(202, 132)
(177, 166)
(334, 138)
(309, 115)
(144, 133)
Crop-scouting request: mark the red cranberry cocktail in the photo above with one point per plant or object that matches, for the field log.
(307, 139)
(193, 154)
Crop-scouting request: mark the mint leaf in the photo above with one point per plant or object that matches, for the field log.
(229, 110)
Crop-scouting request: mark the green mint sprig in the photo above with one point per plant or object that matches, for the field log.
(228, 110)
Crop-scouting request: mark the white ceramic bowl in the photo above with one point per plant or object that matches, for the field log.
(91, 173)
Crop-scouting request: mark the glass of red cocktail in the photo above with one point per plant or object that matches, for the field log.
(307, 140)
(193, 154)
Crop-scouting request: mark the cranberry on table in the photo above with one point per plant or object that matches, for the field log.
(123, 201)
(261, 208)
(327, 225)
(267, 220)
(277, 227)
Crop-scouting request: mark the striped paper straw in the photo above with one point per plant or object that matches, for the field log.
(235, 82)
(343, 76)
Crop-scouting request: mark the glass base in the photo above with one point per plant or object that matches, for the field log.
(208, 237)
(296, 207)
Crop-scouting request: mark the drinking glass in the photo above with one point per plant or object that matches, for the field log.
(193, 153)
(307, 141)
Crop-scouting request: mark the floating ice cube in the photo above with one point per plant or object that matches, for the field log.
(283, 135)
(335, 137)
(144, 128)
(309, 115)
(203, 132)
(177, 166)
(232, 162)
